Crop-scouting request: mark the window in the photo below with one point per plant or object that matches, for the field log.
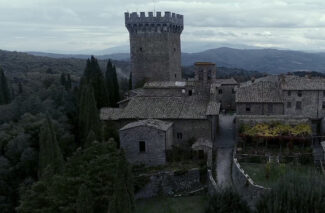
(323, 105)
(298, 105)
(270, 108)
(142, 146)
(248, 107)
(324, 93)
(299, 93)
(179, 136)
(289, 93)
(288, 104)
(220, 91)
(201, 75)
(175, 75)
(183, 91)
(209, 75)
(190, 92)
(141, 49)
(233, 91)
(174, 49)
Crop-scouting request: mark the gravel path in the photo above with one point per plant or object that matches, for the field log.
(224, 146)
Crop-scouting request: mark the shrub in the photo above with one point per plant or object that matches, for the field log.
(227, 201)
(295, 193)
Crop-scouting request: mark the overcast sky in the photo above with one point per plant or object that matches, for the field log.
(88, 26)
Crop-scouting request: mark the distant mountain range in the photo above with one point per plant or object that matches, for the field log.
(271, 61)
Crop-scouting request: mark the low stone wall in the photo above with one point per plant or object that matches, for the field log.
(212, 185)
(244, 185)
(171, 183)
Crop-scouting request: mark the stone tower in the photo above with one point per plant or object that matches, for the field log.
(155, 46)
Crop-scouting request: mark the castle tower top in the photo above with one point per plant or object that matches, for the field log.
(151, 22)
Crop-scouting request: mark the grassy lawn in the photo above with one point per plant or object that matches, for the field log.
(192, 204)
(258, 172)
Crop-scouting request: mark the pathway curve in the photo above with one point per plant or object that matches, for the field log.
(224, 145)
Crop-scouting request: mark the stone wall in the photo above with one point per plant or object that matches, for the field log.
(244, 185)
(170, 183)
(155, 144)
(259, 109)
(227, 98)
(212, 185)
(155, 47)
(311, 103)
(192, 128)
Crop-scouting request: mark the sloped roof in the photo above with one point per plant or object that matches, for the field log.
(226, 81)
(139, 107)
(213, 108)
(157, 124)
(302, 83)
(260, 92)
(165, 84)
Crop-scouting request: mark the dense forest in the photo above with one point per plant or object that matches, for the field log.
(55, 154)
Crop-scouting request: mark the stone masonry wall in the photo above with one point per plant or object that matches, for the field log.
(170, 183)
(155, 145)
(244, 185)
(259, 109)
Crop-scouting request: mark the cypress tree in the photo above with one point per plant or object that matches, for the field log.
(50, 156)
(112, 84)
(69, 83)
(88, 114)
(130, 81)
(4, 89)
(20, 88)
(123, 197)
(63, 80)
(94, 76)
(84, 200)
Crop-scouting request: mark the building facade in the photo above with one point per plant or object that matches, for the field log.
(146, 141)
(155, 46)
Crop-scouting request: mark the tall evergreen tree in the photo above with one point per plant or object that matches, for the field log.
(130, 81)
(63, 79)
(4, 89)
(84, 200)
(112, 84)
(20, 88)
(50, 156)
(69, 82)
(123, 196)
(88, 114)
(94, 76)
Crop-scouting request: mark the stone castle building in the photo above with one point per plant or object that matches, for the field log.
(155, 46)
(283, 98)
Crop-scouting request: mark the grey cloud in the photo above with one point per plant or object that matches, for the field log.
(73, 25)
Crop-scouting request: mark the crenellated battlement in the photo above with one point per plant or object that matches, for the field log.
(169, 22)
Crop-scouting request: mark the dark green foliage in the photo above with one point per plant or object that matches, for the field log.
(93, 76)
(227, 201)
(63, 80)
(4, 89)
(20, 88)
(295, 193)
(88, 115)
(50, 156)
(84, 200)
(123, 200)
(130, 81)
(68, 85)
(112, 84)
(99, 167)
